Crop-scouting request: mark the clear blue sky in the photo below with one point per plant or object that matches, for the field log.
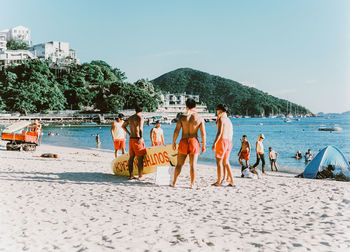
(298, 49)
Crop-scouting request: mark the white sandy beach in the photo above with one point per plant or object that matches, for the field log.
(74, 203)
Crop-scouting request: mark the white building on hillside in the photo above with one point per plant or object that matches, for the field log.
(177, 102)
(56, 51)
(15, 57)
(3, 40)
(20, 33)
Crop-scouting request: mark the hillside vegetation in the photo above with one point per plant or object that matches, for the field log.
(213, 90)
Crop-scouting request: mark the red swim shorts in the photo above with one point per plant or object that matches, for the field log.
(157, 143)
(136, 149)
(189, 146)
(119, 144)
(223, 148)
(244, 155)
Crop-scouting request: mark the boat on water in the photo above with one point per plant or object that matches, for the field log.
(88, 123)
(330, 129)
(287, 120)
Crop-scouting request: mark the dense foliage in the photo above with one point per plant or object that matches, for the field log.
(35, 87)
(213, 90)
(16, 45)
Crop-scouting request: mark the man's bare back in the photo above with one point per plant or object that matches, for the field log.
(190, 125)
(135, 123)
(227, 132)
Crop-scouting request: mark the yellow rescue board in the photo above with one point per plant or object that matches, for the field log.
(162, 155)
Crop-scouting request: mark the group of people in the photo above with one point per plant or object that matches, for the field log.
(244, 154)
(308, 155)
(190, 122)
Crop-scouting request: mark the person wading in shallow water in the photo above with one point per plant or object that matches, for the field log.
(190, 122)
(136, 144)
(156, 134)
(223, 145)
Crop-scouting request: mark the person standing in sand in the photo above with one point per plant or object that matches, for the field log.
(273, 155)
(244, 152)
(190, 122)
(223, 144)
(118, 135)
(259, 147)
(136, 144)
(156, 134)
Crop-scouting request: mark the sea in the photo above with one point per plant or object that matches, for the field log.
(286, 138)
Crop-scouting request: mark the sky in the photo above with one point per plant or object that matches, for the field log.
(297, 50)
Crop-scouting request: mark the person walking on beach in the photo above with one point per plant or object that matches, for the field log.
(156, 134)
(273, 155)
(223, 145)
(190, 122)
(244, 152)
(118, 135)
(259, 147)
(136, 144)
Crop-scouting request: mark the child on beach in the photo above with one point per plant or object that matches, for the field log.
(244, 153)
(273, 155)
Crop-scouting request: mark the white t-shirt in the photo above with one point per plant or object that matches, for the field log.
(157, 134)
(118, 132)
(272, 154)
(260, 147)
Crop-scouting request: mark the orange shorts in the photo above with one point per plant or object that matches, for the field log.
(189, 146)
(135, 148)
(223, 148)
(119, 144)
(244, 155)
(157, 143)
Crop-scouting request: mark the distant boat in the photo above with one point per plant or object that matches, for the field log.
(88, 123)
(330, 129)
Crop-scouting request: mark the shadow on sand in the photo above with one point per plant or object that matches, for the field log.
(72, 177)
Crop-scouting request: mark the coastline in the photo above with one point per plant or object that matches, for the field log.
(76, 203)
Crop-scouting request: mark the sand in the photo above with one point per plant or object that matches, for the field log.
(74, 203)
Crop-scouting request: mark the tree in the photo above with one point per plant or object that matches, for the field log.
(17, 45)
(30, 87)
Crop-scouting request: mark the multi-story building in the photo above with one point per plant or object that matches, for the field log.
(16, 57)
(3, 40)
(177, 102)
(55, 51)
(17, 33)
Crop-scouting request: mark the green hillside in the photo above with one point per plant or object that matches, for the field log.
(213, 90)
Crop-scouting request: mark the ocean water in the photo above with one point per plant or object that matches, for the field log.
(285, 138)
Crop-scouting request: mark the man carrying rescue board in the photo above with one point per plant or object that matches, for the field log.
(190, 122)
(136, 144)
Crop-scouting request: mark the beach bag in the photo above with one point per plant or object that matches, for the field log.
(248, 174)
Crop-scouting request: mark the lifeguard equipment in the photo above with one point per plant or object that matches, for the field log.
(163, 155)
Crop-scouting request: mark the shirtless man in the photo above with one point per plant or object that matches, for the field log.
(118, 135)
(223, 144)
(190, 122)
(156, 134)
(244, 152)
(136, 144)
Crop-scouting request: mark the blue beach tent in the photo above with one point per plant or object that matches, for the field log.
(330, 155)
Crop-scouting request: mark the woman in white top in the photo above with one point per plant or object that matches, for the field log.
(260, 152)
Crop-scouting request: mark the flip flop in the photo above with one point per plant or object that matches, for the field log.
(215, 184)
(230, 185)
